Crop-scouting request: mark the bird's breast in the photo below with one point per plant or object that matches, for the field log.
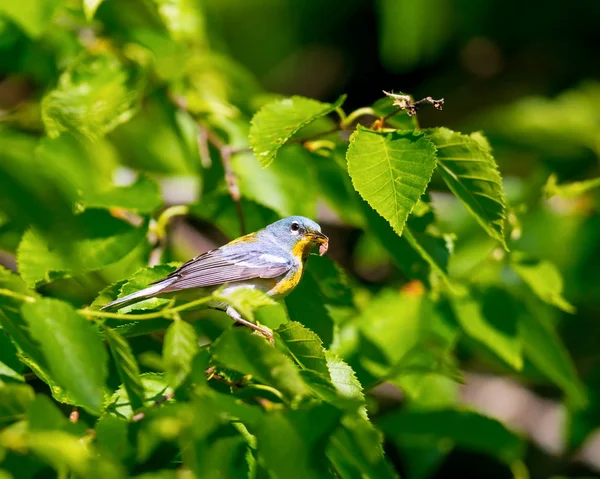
(288, 282)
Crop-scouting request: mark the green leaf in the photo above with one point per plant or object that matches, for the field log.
(304, 346)
(390, 171)
(306, 433)
(11, 368)
(143, 196)
(492, 319)
(543, 278)
(276, 122)
(112, 436)
(344, 378)
(90, 7)
(72, 348)
(356, 450)
(569, 190)
(248, 353)
(464, 429)
(93, 97)
(33, 16)
(468, 168)
(155, 388)
(245, 301)
(14, 400)
(306, 304)
(544, 348)
(288, 187)
(140, 280)
(127, 367)
(101, 241)
(179, 348)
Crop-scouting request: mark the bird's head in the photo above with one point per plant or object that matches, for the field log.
(299, 234)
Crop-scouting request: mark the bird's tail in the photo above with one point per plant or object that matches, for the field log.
(145, 293)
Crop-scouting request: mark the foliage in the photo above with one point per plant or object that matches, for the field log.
(468, 275)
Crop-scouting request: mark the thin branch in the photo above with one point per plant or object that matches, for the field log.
(225, 151)
(15, 295)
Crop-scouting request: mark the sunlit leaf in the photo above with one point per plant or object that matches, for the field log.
(155, 389)
(390, 171)
(569, 190)
(73, 349)
(33, 16)
(543, 278)
(304, 346)
(245, 301)
(276, 123)
(468, 168)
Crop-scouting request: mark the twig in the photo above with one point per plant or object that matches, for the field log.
(158, 232)
(225, 152)
(164, 398)
(404, 102)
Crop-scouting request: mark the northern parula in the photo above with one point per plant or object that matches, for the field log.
(271, 260)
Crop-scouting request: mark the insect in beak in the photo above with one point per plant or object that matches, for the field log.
(322, 241)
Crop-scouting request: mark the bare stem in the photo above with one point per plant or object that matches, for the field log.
(356, 114)
(225, 152)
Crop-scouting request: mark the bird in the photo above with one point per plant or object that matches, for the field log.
(271, 260)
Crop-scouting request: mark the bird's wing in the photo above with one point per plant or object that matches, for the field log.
(229, 264)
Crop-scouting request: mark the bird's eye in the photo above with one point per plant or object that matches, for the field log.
(295, 226)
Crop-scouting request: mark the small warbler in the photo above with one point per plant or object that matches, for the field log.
(271, 260)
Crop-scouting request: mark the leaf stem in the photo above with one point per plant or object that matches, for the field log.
(15, 295)
(355, 115)
(160, 231)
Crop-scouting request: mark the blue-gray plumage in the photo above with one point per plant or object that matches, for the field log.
(271, 260)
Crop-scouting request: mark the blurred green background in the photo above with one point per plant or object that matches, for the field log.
(525, 73)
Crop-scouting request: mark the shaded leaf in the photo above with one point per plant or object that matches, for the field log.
(14, 400)
(543, 278)
(306, 433)
(250, 354)
(276, 122)
(390, 171)
(179, 348)
(468, 168)
(491, 319)
(544, 348)
(155, 388)
(72, 348)
(127, 367)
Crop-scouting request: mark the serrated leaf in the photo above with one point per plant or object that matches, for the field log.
(492, 319)
(127, 367)
(344, 378)
(93, 97)
(143, 196)
(102, 240)
(390, 171)
(14, 400)
(465, 429)
(72, 348)
(468, 168)
(356, 450)
(247, 353)
(245, 301)
(276, 122)
(543, 278)
(305, 347)
(179, 348)
(11, 368)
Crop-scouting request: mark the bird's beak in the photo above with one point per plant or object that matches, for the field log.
(321, 240)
